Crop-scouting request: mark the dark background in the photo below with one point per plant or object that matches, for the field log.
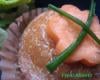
(82, 4)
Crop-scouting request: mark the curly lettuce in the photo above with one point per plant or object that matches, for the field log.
(7, 4)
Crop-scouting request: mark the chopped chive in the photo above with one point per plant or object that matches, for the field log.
(52, 65)
(83, 25)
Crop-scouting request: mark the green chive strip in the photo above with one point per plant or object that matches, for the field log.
(52, 65)
(83, 25)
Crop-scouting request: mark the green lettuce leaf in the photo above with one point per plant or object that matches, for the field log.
(3, 36)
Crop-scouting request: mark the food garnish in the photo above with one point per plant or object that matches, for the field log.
(7, 4)
(52, 65)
